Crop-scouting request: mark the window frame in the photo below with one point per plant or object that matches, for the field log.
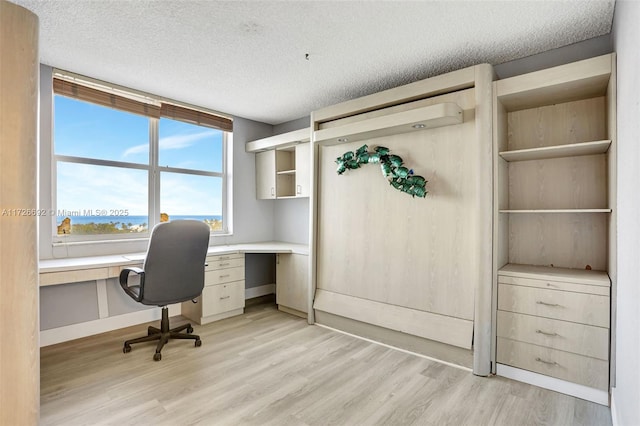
(153, 168)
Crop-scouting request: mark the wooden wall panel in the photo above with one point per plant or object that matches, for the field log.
(566, 240)
(559, 183)
(565, 123)
(380, 244)
(19, 354)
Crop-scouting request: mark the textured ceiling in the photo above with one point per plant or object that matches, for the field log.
(248, 58)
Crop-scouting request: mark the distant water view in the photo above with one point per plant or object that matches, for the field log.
(95, 225)
(133, 220)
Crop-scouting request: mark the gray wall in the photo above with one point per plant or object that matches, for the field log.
(626, 36)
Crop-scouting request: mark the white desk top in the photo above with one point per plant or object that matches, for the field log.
(77, 263)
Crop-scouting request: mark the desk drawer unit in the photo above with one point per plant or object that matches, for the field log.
(222, 298)
(555, 324)
(223, 294)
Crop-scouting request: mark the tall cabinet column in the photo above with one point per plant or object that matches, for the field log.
(19, 353)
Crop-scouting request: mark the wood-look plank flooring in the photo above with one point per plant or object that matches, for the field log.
(270, 368)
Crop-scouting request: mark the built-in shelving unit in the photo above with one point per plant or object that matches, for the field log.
(282, 165)
(554, 132)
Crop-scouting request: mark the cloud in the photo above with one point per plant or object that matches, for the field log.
(172, 142)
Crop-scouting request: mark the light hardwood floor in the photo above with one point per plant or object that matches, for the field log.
(268, 367)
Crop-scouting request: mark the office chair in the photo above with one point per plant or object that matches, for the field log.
(173, 272)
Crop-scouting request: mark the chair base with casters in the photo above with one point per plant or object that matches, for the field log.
(163, 334)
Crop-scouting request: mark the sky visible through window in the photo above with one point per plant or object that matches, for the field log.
(86, 130)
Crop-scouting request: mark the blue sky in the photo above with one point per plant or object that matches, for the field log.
(86, 130)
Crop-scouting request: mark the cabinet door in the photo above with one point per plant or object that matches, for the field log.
(303, 170)
(266, 175)
(291, 281)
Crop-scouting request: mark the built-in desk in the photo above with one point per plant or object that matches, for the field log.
(78, 269)
(96, 270)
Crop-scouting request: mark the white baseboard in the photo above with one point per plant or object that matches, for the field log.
(263, 290)
(614, 413)
(551, 383)
(102, 325)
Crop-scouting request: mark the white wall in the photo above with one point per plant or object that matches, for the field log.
(626, 394)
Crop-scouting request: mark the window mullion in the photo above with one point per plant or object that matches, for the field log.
(154, 173)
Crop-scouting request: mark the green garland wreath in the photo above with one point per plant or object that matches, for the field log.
(398, 176)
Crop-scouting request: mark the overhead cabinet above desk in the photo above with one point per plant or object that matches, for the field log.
(282, 165)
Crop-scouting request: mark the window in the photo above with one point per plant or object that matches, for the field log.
(122, 165)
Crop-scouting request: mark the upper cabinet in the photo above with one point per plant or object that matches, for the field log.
(282, 165)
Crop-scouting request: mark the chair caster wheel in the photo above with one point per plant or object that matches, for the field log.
(189, 329)
(126, 349)
(198, 343)
(157, 356)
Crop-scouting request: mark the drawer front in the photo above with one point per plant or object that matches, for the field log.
(579, 339)
(574, 368)
(223, 276)
(555, 285)
(567, 306)
(220, 298)
(214, 265)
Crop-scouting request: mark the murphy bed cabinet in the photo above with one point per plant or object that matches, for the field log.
(282, 165)
(554, 139)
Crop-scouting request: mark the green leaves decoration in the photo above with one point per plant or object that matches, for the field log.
(400, 177)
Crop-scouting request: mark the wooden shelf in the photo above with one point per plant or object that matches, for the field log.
(579, 80)
(557, 151)
(283, 140)
(428, 117)
(547, 211)
(580, 276)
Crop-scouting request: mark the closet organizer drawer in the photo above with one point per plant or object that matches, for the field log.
(579, 339)
(223, 276)
(222, 298)
(579, 369)
(563, 305)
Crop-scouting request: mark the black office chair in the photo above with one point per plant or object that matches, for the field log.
(173, 272)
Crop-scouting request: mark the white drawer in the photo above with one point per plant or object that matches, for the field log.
(580, 369)
(221, 298)
(214, 265)
(221, 276)
(555, 285)
(580, 339)
(227, 256)
(567, 306)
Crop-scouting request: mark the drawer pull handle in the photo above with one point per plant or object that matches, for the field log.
(546, 362)
(225, 276)
(224, 297)
(546, 333)
(224, 264)
(540, 302)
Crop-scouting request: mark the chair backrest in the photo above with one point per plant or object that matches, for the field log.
(174, 265)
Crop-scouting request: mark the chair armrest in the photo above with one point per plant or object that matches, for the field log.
(124, 282)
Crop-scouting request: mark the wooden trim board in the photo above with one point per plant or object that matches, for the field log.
(441, 328)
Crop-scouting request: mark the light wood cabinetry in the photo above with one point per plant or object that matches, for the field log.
(19, 354)
(292, 289)
(282, 165)
(554, 202)
(223, 293)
